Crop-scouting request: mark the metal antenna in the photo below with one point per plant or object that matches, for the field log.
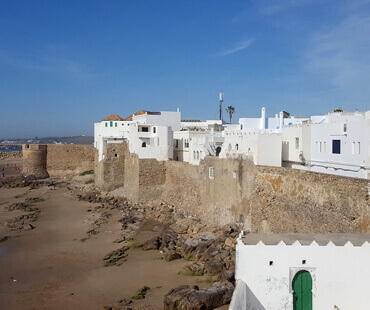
(221, 100)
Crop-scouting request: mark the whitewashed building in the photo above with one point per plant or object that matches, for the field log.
(114, 129)
(268, 124)
(296, 146)
(198, 125)
(340, 144)
(302, 271)
(193, 146)
(264, 148)
(337, 143)
(151, 141)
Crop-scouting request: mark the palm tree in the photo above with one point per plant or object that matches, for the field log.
(230, 110)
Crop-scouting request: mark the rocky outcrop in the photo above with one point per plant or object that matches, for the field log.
(192, 298)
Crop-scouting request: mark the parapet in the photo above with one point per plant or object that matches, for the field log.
(34, 147)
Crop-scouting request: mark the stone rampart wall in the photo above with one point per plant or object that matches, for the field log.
(289, 200)
(66, 160)
(263, 199)
(221, 200)
(111, 173)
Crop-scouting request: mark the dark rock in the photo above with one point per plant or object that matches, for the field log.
(214, 267)
(227, 275)
(182, 226)
(152, 244)
(195, 246)
(231, 230)
(169, 239)
(171, 255)
(212, 253)
(194, 269)
(192, 298)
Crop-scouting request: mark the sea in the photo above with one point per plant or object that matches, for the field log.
(10, 150)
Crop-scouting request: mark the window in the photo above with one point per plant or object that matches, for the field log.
(106, 124)
(144, 129)
(320, 148)
(111, 124)
(143, 144)
(115, 124)
(211, 172)
(154, 129)
(177, 143)
(336, 146)
(197, 155)
(358, 150)
(344, 127)
(237, 147)
(297, 143)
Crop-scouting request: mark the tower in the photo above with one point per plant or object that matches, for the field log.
(34, 161)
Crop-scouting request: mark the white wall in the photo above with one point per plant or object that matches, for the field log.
(159, 144)
(109, 129)
(340, 275)
(181, 145)
(265, 124)
(294, 151)
(353, 156)
(163, 118)
(265, 148)
(203, 125)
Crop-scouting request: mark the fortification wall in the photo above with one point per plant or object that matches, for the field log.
(263, 199)
(221, 199)
(110, 173)
(66, 160)
(289, 200)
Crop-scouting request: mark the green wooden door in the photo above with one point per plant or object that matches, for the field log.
(302, 287)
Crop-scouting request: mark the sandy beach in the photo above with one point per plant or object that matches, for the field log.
(56, 264)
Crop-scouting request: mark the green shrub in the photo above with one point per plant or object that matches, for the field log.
(141, 293)
(87, 172)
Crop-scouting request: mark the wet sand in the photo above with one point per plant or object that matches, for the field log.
(50, 267)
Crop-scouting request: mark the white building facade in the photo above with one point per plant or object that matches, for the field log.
(158, 140)
(340, 144)
(302, 272)
(151, 141)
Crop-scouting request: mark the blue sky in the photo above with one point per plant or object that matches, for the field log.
(67, 64)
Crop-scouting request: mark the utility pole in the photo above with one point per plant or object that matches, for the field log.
(221, 100)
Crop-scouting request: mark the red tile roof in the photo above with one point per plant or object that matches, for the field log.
(129, 118)
(113, 117)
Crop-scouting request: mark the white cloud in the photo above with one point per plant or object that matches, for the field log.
(342, 53)
(238, 47)
(274, 7)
